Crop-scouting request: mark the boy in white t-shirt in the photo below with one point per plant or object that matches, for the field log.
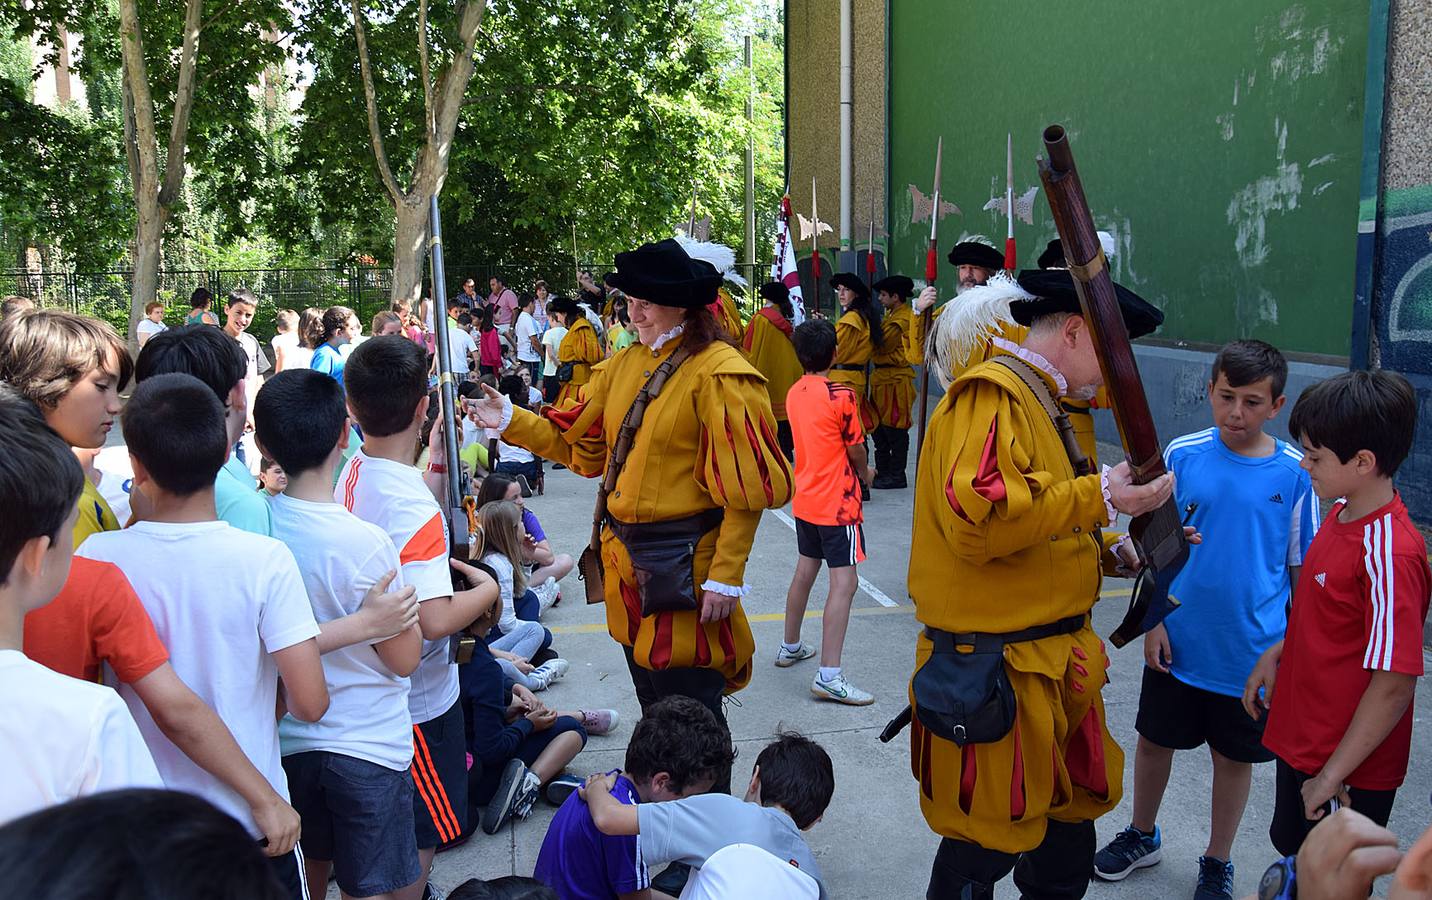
(228, 605)
(387, 380)
(152, 323)
(60, 738)
(347, 772)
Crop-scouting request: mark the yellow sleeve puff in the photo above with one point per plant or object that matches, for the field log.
(572, 435)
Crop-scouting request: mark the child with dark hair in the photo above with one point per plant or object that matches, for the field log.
(200, 303)
(519, 462)
(272, 479)
(791, 786)
(215, 359)
(508, 887)
(489, 343)
(336, 328)
(831, 466)
(229, 606)
(60, 737)
(678, 749)
(387, 380)
(238, 315)
(1247, 495)
(285, 341)
(348, 772)
(1340, 722)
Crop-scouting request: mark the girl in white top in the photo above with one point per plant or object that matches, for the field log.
(514, 641)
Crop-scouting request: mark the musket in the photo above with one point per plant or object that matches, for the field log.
(1158, 535)
(1011, 259)
(461, 510)
(927, 317)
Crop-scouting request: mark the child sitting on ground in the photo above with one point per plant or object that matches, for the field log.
(678, 749)
(514, 641)
(544, 568)
(228, 605)
(519, 462)
(1340, 722)
(830, 468)
(790, 788)
(348, 772)
(61, 737)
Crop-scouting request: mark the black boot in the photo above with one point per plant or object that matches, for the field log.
(897, 456)
(887, 475)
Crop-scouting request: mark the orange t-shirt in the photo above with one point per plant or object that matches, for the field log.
(96, 618)
(825, 419)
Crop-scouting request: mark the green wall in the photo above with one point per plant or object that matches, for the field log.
(1219, 142)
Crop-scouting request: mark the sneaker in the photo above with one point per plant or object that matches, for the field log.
(526, 796)
(599, 721)
(522, 483)
(1215, 879)
(560, 788)
(543, 676)
(547, 593)
(431, 893)
(786, 658)
(1129, 850)
(499, 808)
(841, 691)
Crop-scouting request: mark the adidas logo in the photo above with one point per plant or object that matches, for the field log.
(1321, 578)
(1276, 498)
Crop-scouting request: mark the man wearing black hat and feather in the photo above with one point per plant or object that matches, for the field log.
(1011, 555)
(892, 383)
(704, 463)
(975, 262)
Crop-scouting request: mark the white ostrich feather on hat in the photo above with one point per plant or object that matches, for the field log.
(969, 321)
(718, 255)
(968, 238)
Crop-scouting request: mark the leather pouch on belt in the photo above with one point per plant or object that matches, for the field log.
(965, 697)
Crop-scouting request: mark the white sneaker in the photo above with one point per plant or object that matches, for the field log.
(546, 594)
(543, 676)
(840, 690)
(785, 658)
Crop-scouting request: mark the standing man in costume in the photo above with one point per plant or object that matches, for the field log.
(975, 264)
(703, 465)
(892, 384)
(1081, 412)
(858, 336)
(768, 346)
(579, 351)
(1011, 560)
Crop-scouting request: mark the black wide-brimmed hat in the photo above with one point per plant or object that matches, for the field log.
(852, 281)
(1053, 256)
(775, 291)
(899, 285)
(975, 253)
(663, 274)
(1054, 292)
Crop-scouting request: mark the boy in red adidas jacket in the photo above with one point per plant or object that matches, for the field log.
(1340, 721)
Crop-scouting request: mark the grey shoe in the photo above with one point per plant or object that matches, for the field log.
(787, 658)
(526, 796)
(499, 808)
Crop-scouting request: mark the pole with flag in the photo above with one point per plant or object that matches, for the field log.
(928, 316)
(1010, 257)
(785, 269)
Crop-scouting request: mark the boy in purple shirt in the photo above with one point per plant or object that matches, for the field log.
(676, 750)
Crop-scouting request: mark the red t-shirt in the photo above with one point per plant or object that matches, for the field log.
(1359, 607)
(825, 419)
(96, 618)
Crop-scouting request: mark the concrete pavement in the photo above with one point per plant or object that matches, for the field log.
(873, 842)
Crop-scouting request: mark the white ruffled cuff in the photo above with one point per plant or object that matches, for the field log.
(725, 590)
(1121, 567)
(1108, 498)
(507, 420)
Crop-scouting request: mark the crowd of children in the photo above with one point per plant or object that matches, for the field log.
(303, 653)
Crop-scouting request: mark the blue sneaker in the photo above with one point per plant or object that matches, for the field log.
(1215, 879)
(1129, 850)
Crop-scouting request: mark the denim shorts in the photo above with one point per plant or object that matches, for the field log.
(357, 814)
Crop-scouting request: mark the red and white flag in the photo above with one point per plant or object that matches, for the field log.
(784, 268)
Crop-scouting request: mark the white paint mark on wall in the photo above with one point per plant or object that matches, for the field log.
(1250, 207)
(1322, 187)
(1322, 160)
(1295, 49)
(1225, 125)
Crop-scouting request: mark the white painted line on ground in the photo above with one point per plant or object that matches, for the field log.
(871, 590)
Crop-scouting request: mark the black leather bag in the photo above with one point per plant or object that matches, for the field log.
(663, 557)
(565, 371)
(965, 697)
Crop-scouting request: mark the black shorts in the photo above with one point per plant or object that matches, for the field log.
(439, 773)
(357, 815)
(1181, 717)
(838, 545)
(288, 870)
(1290, 825)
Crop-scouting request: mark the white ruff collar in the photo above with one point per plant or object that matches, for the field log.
(1036, 360)
(664, 339)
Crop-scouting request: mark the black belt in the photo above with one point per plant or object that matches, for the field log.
(848, 367)
(983, 642)
(1075, 410)
(693, 527)
(890, 366)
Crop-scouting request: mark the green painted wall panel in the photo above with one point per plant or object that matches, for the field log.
(1219, 142)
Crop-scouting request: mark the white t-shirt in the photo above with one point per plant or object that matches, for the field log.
(340, 557)
(534, 398)
(502, 566)
(460, 349)
(394, 497)
(284, 339)
(747, 871)
(508, 453)
(525, 329)
(552, 340)
(62, 738)
(223, 601)
(150, 327)
(297, 357)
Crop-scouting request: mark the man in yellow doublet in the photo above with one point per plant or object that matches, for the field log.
(854, 344)
(892, 383)
(1010, 542)
(767, 344)
(580, 347)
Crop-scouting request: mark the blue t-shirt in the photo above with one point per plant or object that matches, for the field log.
(328, 360)
(238, 502)
(580, 863)
(1257, 516)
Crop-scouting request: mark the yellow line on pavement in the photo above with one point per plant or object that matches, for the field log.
(902, 609)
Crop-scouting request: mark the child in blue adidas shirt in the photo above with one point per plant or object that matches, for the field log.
(1245, 492)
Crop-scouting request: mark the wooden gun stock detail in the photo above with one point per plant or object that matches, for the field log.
(1158, 534)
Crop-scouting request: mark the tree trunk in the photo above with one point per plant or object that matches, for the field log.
(148, 236)
(410, 237)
